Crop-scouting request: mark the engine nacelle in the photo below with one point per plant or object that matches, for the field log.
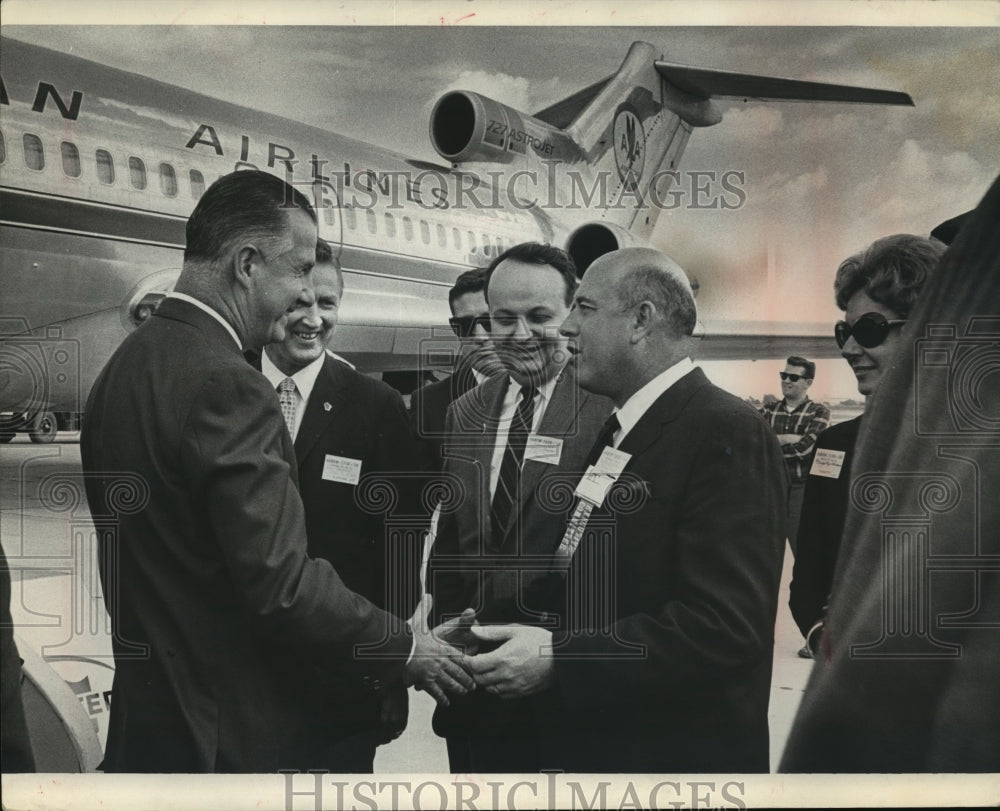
(466, 126)
(594, 239)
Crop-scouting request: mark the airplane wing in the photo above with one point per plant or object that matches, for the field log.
(762, 340)
(708, 83)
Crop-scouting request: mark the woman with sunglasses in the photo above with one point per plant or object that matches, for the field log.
(876, 289)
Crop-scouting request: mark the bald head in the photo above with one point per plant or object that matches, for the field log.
(633, 317)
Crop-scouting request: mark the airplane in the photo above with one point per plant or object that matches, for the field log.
(100, 168)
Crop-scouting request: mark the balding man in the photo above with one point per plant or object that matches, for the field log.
(219, 613)
(672, 555)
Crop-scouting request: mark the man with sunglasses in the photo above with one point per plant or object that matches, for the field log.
(512, 442)
(797, 422)
(476, 361)
(876, 288)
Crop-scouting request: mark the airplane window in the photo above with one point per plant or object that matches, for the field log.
(328, 215)
(425, 232)
(168, 180)
(34, 155)
(3, 149)
(351, 217)
(456, 237)
(70, 159)
(442, 236)
(408, 228)
(197, 183)
(370, 219)
(137, 173)
(486, 245)
(472, 242)
(105, 166)
(499, 246)
(390, 224)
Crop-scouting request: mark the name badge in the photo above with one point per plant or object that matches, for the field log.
(544, 449)
(594, 486)
(613, 462)
(341, 469)
(828, 463)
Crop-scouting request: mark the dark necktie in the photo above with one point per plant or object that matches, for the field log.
(604, 440)
(509, 481)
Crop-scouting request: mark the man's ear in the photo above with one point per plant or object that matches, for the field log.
(244, 261)
(643, 316)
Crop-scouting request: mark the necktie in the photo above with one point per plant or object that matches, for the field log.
(581, 513)
(508, 483)
(604, 439)
(287, 399)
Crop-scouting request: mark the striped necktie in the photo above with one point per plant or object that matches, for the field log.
(509, 482)
(289, 404)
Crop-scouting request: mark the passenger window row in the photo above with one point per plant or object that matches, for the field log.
(391, 230)
(104, 166)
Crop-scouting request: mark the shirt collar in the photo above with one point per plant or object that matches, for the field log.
(201, 305)
(545, 390)
(639, 403)
(784, 404)
(305, 378)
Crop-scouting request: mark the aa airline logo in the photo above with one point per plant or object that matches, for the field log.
(629, 140)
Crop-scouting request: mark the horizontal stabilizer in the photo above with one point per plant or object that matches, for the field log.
(562, 113)
(709, 83)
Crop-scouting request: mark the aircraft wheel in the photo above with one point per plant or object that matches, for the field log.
(43, 428)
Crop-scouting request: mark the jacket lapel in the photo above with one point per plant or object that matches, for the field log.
(664, 410)
(330, 390)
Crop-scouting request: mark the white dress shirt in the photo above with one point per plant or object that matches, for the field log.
(507, 411)
(201, 305)
(639, 403)
(304, 378)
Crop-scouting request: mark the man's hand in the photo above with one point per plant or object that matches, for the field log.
(436, 666)
(522, 665)
(395, 710)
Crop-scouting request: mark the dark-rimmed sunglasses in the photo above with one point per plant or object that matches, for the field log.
(465, 326)
(870, 330)
(790, 376)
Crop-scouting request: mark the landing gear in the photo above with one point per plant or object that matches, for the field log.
(43, 427)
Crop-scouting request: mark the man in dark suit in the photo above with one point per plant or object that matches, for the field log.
(347, 428)
(511, 442)
(218, 612)
(672, 555)
(476, 361)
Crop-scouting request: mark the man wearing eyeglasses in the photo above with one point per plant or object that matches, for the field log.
(476, 362)
(513, 442)
(797, 421)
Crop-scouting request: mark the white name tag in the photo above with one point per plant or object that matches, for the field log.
(594, 486)
(828, 463)
(613, 462)
(341, 469)
(545, 449)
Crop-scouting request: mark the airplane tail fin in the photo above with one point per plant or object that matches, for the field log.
(632, 127)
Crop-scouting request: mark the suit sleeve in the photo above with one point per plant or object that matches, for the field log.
(234, 446)
(399, 458)
(810, 585)
(720, 574)
(445, 582)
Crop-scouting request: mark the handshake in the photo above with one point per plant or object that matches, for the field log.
(446, 661)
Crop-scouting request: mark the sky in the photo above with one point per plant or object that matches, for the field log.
(821, 181)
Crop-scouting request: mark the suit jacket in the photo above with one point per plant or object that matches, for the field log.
(505, 579)
(219, 613)
(376, 554)
(664, 663)
(428, 409)
(824, 507)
